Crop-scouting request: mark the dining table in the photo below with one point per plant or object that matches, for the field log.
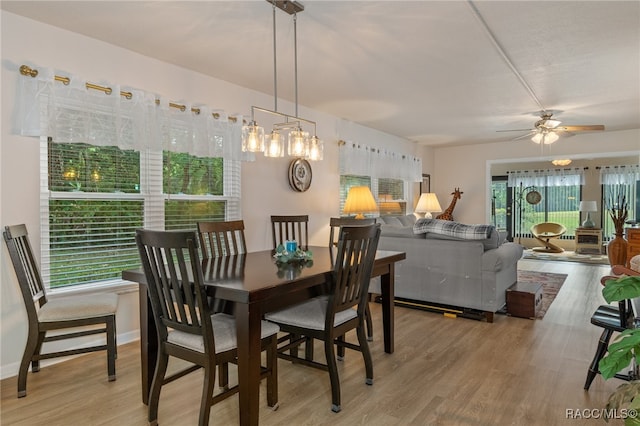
(253, 284)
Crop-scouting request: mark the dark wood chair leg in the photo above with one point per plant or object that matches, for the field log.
(207, 393)
(111, 347)
(27, 356)
(156, 385)
(366, 355)
(333, 374)
(367, 316)
(223, 375)
(603, 344)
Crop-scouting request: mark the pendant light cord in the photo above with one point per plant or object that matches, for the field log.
(275, 63)
(295, 57)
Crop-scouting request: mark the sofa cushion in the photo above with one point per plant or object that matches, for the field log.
(391, 220)
(399, 231)
(407, 220)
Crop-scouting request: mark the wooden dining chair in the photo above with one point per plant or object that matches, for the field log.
(335, 223)
(330, 317)
(292, 228)
(221, 238)
(67, 313)
(186, 327)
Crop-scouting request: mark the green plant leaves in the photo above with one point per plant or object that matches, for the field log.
(620, 353)
(622, 288)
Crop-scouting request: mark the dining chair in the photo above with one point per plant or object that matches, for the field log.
(329, 317)
(67, 313)
(186, 327)
(335, 223)
(284, 228)
(221, 238)
(612, 319)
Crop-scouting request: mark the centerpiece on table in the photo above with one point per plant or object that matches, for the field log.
(297, 256)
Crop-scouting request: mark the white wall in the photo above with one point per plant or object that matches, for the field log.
(265, 186)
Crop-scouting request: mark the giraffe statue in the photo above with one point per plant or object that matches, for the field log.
(448, 213)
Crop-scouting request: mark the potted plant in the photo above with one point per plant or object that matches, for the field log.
(622, 353)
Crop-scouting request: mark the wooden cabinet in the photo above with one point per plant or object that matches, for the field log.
(588, 240)
(633, 239)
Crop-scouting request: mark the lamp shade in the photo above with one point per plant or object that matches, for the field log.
(588, 206)
(359, 201)
(427, 204)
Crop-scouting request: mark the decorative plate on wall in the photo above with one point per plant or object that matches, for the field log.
(533, 197)
(300, 175)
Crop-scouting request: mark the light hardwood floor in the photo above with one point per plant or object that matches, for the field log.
(444, 372)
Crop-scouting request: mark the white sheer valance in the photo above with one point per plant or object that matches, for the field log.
(620, 175)
(361, 160)
(542, 178)
(73, 113)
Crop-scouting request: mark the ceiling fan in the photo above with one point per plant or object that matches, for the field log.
(545, 131)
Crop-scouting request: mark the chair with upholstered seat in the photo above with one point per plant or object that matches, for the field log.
(70, 313)
(290, 228)
(221, 238)
(612, 319)
(335, 223)
(545, 232)
(329, 317)
(187, 329)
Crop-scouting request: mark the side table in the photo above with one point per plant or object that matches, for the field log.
(588, 240)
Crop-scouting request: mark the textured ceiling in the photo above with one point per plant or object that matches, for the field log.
(428, 71)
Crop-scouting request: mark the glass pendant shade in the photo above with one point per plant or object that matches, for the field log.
(298, 143)
(274, 145)
(316, 149)
(252, 138)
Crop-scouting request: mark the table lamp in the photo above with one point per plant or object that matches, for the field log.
(360, 201)
(588, 206)
(427, 204)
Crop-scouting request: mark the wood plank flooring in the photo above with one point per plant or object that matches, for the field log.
(444, 372)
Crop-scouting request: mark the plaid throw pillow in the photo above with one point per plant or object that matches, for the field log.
(453, 229)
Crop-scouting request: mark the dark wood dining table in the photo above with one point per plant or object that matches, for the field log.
(256, 284)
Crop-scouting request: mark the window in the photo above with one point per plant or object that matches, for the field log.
(113, 161)
(95, 204)
(389, 193)
(560, 199)
(387, 174)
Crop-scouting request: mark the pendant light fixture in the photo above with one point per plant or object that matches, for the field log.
(299, 144)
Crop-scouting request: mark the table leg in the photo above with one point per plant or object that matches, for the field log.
(387, 284)
(148, 343)
(248, 323)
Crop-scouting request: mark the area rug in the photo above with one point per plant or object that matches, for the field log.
(551, 284)
(567, 256)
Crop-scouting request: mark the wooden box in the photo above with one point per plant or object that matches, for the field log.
(524, 300)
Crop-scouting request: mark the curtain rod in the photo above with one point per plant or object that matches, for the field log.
(30, 72)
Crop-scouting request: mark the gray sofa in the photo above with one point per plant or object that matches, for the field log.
(468, 276)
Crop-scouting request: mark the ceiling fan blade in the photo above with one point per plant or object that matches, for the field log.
(515, 130)
(585, 128)
(524, 136)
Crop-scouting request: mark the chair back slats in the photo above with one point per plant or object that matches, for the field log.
(222, 238)
(26, 268)
(356, 253)
(175, 282)
(335, 223)
(285, 228)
